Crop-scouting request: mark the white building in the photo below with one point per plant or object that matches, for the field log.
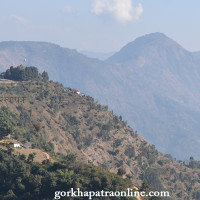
(16, 144)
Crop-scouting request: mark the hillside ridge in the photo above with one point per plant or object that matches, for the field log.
(61, 122)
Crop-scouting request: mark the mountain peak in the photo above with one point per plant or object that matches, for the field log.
(156, 35)
(154, 45)
(154, 38)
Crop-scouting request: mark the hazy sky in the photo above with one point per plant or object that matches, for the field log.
(99, 25)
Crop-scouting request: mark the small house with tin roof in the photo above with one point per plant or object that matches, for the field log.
(27, 145)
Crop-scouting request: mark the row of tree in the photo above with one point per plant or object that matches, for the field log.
(21, 73)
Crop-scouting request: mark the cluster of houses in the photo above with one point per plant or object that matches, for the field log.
(17, 144)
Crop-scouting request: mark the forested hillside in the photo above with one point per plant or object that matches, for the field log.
(62, 121)
(23, 179)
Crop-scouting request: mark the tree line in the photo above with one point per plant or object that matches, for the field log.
(22, 73)
(21, 178)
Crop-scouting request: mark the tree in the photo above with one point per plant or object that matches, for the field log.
(146, 188)
(10, 195)
(121, 171)
(31, 157)
(152, 177)
(7, 74)
(6, 123)
(22, 157)
(130, 151)
(45, 76)
(10, 150)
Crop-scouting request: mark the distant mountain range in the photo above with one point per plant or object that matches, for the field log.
(152, 82)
